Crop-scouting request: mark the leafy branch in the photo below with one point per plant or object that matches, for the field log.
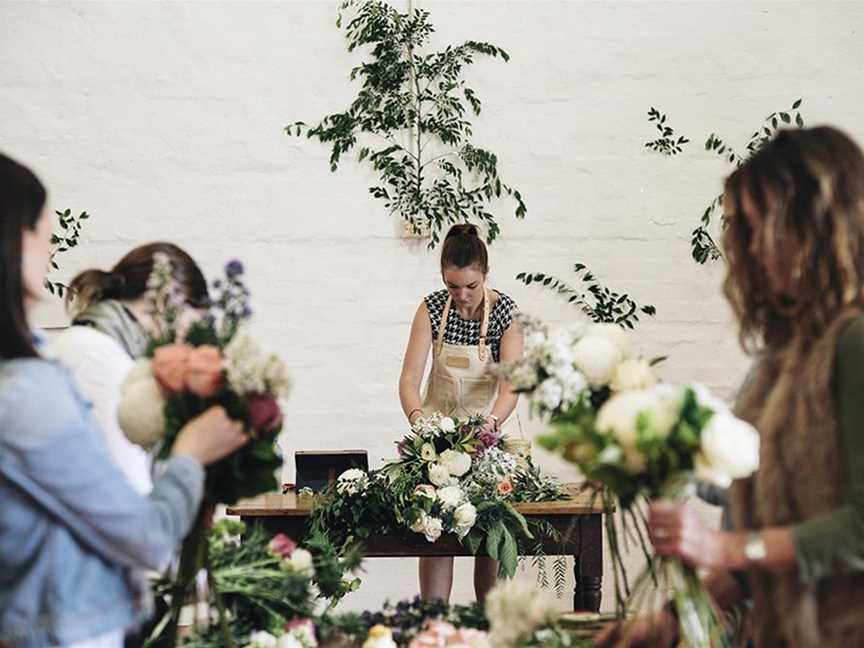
(666, 144)
(703, 247)
(413, 108)
(65, 240)
(598, 302)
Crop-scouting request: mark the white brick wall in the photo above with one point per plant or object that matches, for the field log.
(164, 121)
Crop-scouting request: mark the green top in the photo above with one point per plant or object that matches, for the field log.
(833, 543)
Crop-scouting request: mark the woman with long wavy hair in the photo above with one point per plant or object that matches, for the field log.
(794, 242)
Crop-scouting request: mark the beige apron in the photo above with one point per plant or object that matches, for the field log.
(461, 383)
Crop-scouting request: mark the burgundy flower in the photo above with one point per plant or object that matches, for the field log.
(264, 412)
(489, 439)
(281, 545)
(400, 447)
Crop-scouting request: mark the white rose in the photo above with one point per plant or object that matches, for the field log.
(351, 482)
(438, 474)
(550, 393)
(612, 332)
(262, 639)
(456, 463)
(729, 450)
(632, 374)
(465, 516)
(141, 413)
(427, 491)
(596, 358)
(450, 496)
(301, 562)
(245, 364)
(447, 425)
(432, 528)
(619, 415)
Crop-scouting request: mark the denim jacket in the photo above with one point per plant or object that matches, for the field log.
(70, 524)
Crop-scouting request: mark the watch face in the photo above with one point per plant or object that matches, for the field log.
(754, 550)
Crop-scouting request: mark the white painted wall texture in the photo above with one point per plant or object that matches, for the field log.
(164, 121)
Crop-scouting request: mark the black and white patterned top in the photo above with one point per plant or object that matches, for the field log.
(467, 332)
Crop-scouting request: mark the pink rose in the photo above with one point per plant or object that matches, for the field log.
(505, 488)
(204, 375)
(264, 412)
(169, 366)
(282, 546)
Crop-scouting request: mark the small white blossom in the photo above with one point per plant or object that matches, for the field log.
(262, 639)
(301, 562)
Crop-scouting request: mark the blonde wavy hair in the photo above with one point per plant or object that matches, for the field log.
(794, 236)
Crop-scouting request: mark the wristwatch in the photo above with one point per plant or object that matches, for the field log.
(754, 549)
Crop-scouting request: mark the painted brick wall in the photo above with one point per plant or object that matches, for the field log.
(164, 122)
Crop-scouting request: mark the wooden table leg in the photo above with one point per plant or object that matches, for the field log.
(588, 564)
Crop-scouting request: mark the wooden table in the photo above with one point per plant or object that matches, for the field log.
(579, 519)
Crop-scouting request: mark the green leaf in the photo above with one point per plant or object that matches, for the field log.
(796, 104)
(494, 538)
(508, 554)
(786, 118)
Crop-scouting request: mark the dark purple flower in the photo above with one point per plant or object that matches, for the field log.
(233, 269)
(264, 412)
(488, 438)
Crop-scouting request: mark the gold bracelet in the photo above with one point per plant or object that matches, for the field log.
(497, 421)
(411, 413)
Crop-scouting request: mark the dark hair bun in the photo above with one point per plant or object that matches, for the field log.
(463, 247)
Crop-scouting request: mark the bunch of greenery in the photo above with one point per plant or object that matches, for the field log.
(65, 240)
(703, 246)
(412, 114)
(598, 302)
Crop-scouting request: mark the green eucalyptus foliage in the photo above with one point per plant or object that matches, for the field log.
(410, 123)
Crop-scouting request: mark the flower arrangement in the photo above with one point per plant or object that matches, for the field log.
(193, 364)
(637, 439)
(451, 477)
(272, 591)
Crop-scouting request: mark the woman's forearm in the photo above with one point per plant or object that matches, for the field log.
(505, 403)
(409, 397)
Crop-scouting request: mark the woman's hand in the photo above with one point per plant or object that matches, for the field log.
(210, 436)
(677, 531)
(656, 631)
(490, 425)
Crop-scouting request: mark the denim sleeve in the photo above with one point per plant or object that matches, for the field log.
(833, 543)
(50, 449)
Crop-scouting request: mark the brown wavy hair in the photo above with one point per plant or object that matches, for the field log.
(794, 236)
(127, 280)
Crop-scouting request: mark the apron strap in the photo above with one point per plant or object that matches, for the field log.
(484, 325)
(439, 341)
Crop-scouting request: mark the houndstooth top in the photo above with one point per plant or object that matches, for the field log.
(467, 332)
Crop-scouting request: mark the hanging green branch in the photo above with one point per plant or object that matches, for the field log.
(65, 240)
(598, 302)
(412, 111)
(666, 144)
(703, 247)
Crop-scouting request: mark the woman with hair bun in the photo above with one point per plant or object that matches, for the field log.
(111, 320)
(468, 327)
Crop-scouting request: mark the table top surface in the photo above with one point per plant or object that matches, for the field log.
(581, 500)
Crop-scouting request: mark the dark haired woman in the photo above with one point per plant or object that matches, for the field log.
(794, 242)
(468, 327)
(71, 525)
(112, 316)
